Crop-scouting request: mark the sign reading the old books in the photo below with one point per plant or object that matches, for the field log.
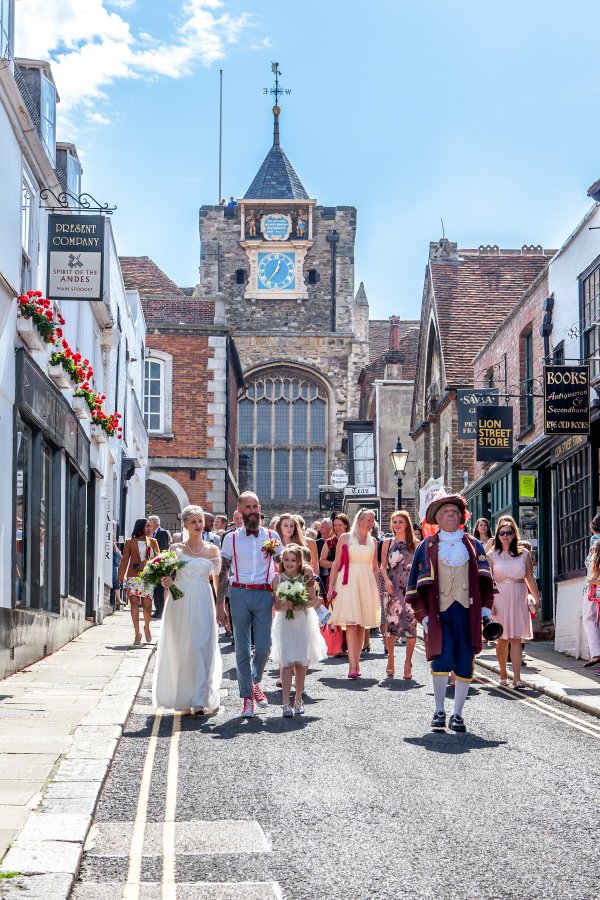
(75, 257)
(467, 402)
(494, 433)
(567, 399)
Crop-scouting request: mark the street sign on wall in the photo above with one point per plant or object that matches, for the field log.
(566, 399)
(75, 257)
(494, 433)
(467, 402)
(339, 479)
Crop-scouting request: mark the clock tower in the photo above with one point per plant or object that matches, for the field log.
(280, 268)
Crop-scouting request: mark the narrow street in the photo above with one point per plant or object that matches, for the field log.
(356, 799)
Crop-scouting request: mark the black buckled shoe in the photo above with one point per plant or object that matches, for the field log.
(457, 723)
(438, 723)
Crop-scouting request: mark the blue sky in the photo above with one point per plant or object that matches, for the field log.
(480, 113)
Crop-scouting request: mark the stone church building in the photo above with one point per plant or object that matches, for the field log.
(280, 268)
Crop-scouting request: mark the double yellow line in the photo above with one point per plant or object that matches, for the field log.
(131, 890)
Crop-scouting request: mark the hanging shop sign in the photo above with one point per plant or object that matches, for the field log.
(566, 400)
(568, 446)
(75, 257)
(494, 433)
(467, 402)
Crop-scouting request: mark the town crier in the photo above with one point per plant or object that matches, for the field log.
(451, 589)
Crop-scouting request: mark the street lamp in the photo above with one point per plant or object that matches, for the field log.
(399, 459)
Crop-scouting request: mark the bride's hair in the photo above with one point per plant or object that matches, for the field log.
(189, 511)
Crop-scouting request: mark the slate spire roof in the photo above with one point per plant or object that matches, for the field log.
(276, 179)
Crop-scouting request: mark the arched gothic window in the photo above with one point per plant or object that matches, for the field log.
(282, 422)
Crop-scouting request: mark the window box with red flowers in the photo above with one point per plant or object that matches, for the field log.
(73, 367)
(108, 425)
(37, 323)
(85, 401)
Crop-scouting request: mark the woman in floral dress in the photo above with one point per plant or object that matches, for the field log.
(396, 560)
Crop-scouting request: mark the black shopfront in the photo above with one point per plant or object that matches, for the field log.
(53, 500)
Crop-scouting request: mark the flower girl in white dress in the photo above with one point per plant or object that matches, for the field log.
(187, 675)
(296, 642)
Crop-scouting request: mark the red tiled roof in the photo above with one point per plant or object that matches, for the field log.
(473, 294)
(163, 302)
(379, 335)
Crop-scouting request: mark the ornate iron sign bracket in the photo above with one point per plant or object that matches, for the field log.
(67, 201)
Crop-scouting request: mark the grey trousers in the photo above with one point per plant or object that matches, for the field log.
(252, 614)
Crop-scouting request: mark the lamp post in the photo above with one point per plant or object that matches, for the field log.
(399, 459)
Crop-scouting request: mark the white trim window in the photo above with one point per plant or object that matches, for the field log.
(158, 392)
(48, 117)
(27, 233)
(363, 457)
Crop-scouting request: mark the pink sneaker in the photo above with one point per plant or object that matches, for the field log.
(259, 696)
(248, 708)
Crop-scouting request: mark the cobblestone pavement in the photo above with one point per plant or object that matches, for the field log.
(356, 799)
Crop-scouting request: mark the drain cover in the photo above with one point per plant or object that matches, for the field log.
(23, 713)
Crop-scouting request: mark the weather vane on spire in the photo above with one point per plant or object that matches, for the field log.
(276, 92)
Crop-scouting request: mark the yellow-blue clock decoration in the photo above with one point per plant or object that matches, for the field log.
(277, 271)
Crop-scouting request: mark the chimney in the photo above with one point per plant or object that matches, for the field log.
(394, 333)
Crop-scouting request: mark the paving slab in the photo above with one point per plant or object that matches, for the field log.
(38, 887)
(48, 857)
(19, 793)
(81, 770)
(83, 806)
(41, 827)
(71, 790)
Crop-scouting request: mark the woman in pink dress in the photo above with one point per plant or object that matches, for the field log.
(513, 574)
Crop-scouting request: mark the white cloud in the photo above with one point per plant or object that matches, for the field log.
(96, 118)
(91, 47)
(264, 44)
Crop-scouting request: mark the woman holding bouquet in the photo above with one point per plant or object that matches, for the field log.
(187, 675)
(296, 639)
(396, 560)
(139, 548)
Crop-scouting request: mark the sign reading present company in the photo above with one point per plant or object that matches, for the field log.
(467, 402)
(567, 399)
(494, 433)
(75, 257)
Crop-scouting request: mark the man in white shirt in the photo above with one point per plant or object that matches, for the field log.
(251, 571)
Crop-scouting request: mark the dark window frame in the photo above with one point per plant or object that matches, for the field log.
(574, 510)
(589, 318)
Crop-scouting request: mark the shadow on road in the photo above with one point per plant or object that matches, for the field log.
(257, 726)
(453, 744)
(352, 684)
(401, 685)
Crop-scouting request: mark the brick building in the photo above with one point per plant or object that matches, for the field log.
(192, 377)
(280, 269)
(466, 296)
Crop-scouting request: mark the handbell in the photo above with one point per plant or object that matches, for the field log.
(491, 631)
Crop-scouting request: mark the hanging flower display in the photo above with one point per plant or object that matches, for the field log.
(109, 424)
(34, 306)
(78, 369)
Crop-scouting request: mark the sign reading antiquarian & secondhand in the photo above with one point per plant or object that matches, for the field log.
(494, 433)
(75, 257)
(566, 399)
(467, 401)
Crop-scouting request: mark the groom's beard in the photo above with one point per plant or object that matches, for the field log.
(251, 521)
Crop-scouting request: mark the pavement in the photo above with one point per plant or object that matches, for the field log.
(61, 721)
(283, 808)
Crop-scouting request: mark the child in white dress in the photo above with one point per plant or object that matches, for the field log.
(296, 642)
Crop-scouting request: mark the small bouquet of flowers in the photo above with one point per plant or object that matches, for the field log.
(269, 547)
(294, 590)
(165, 565)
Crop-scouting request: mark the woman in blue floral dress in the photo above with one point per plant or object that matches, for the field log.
(396, 560)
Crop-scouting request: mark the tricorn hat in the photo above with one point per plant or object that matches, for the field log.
(442, 499)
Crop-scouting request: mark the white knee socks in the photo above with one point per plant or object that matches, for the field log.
(440, 683)
(461, 689)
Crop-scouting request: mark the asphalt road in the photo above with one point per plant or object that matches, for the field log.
(356, 799)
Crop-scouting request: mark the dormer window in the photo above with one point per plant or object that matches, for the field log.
(48, 116)
(73, 176)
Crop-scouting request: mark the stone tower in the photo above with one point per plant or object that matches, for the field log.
(280, 268)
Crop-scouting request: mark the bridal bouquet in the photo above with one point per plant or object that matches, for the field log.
(294, 590)
(165, 565)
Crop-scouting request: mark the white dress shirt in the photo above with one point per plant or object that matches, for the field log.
(252, 567)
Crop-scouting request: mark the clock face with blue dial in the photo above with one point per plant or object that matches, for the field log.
(276, 271)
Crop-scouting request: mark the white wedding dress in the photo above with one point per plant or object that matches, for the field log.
(188, 667)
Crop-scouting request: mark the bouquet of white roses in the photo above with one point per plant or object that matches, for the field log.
(165, 565)
(295, 590)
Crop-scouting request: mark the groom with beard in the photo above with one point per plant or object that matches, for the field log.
(248, 571)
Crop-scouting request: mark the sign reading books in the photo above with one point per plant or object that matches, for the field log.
(494, 433)
(75, 257)
(566, 399)
(467, 402)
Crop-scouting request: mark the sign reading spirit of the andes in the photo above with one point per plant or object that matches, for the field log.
(567, 399)
(494, 433)
(75, 257)
(467, 402)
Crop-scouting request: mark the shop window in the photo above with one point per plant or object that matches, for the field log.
(501, 497)
(574, 511)
(590, 318)
(23, 454)
(45, 530)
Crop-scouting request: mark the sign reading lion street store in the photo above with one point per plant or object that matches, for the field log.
(567, 399)
(494, 433)
(467, 401)
(75, 257)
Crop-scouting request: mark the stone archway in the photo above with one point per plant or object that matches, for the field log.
(161, 501)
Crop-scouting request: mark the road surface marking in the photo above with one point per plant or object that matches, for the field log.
(169, 889)
(131, 889)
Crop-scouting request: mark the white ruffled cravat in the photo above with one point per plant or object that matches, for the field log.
(452, 551)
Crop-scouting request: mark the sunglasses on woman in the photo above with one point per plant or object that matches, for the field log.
(508, 533)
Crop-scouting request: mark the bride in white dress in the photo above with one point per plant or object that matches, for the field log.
(187, 675)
